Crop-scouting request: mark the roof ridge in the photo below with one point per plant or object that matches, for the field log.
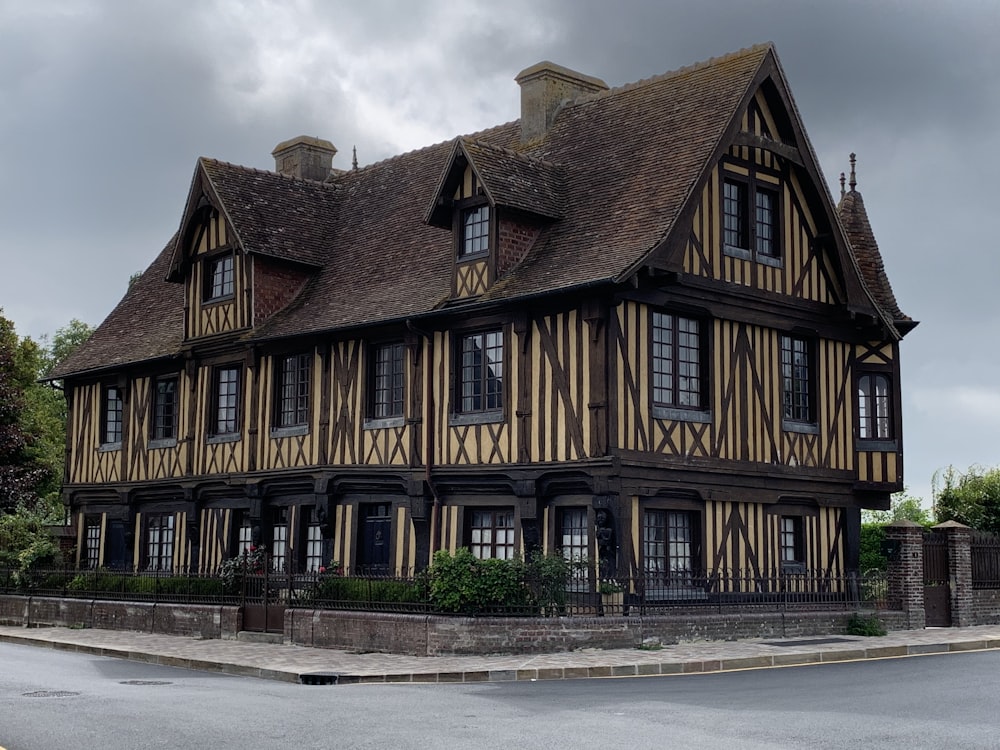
(464, 136)
(268, 172)
(660, 77)
(509, 151)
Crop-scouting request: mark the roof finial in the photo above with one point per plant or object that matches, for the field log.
(842, 180)
(354, 158)
(854, 179)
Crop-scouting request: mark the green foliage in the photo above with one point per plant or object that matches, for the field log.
(860, 624)
(98, 582)
(972, 498)
(904, 508)
(32, 415)
(25, 537)
(872, 557)
(233, 571)
(464, 584)
(333, 588)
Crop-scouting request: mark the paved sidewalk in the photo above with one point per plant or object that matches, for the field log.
(314, 665)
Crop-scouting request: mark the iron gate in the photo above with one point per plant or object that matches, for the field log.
(264, 600)
(937, 591)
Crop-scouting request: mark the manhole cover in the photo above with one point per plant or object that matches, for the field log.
(809, 642)
(145, 682)
(50, 694)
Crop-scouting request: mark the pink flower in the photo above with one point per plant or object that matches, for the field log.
(322, 569)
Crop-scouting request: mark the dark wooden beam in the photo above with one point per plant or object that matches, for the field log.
(775, 147)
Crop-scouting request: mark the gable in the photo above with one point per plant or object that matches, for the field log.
(765, 155)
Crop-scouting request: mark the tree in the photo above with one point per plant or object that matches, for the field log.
(904, 508)
(65, 341)
(20, 471)
(972, 498)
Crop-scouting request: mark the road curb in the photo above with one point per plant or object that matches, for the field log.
(690, 666)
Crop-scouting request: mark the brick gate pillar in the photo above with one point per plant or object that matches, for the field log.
(959, 571)
(906, 570)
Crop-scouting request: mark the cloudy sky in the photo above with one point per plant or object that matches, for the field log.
(106, 105)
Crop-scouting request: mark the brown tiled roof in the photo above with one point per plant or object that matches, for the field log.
(518, 181)
(147, 324)
(617, 169)
(854, 218)
(281, 217)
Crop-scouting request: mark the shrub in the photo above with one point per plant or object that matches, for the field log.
(860, 624)
(871, 556)
(464, 584)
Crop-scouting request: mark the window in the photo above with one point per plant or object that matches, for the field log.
(734, 212)
(219, 278)
(225, 402)
(491, 534)
(160, 542)
(874, 413)
(791, 541)
(292, 398)
(750, 226)
(165, 409)
(92, 542)
(475, 231)
(387, 382)
(677, 357)
(279, 539)
(796, 385)
(112, 416)
(481, 372)
(669, 548)
(244, 533)
(575, 544)
(766, 224)
(313, 540)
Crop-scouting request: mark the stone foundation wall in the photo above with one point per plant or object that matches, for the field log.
(430, 635)
(196, 620)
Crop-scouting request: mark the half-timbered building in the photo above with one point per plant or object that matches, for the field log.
(632, 325)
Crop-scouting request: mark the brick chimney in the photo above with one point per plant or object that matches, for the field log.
(546, 86)
(305, 157)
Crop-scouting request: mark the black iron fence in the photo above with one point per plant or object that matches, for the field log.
(719, 590)
(985, 554)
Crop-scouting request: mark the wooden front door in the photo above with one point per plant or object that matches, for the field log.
(375, 535)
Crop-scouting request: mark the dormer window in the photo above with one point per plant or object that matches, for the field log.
(475, 231)
(219, 278)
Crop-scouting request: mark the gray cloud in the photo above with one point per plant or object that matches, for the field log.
(104, 107)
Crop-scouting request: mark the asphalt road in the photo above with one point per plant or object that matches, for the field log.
(52, 700)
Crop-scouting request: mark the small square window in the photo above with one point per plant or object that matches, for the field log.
(491, 534)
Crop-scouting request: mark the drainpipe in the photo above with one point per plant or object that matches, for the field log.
(429, 447)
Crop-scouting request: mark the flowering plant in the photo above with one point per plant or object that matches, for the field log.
(232, 571)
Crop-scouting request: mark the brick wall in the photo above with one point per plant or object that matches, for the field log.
(201, 620)
(426, 635)
(516, 238)
(274, 287)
